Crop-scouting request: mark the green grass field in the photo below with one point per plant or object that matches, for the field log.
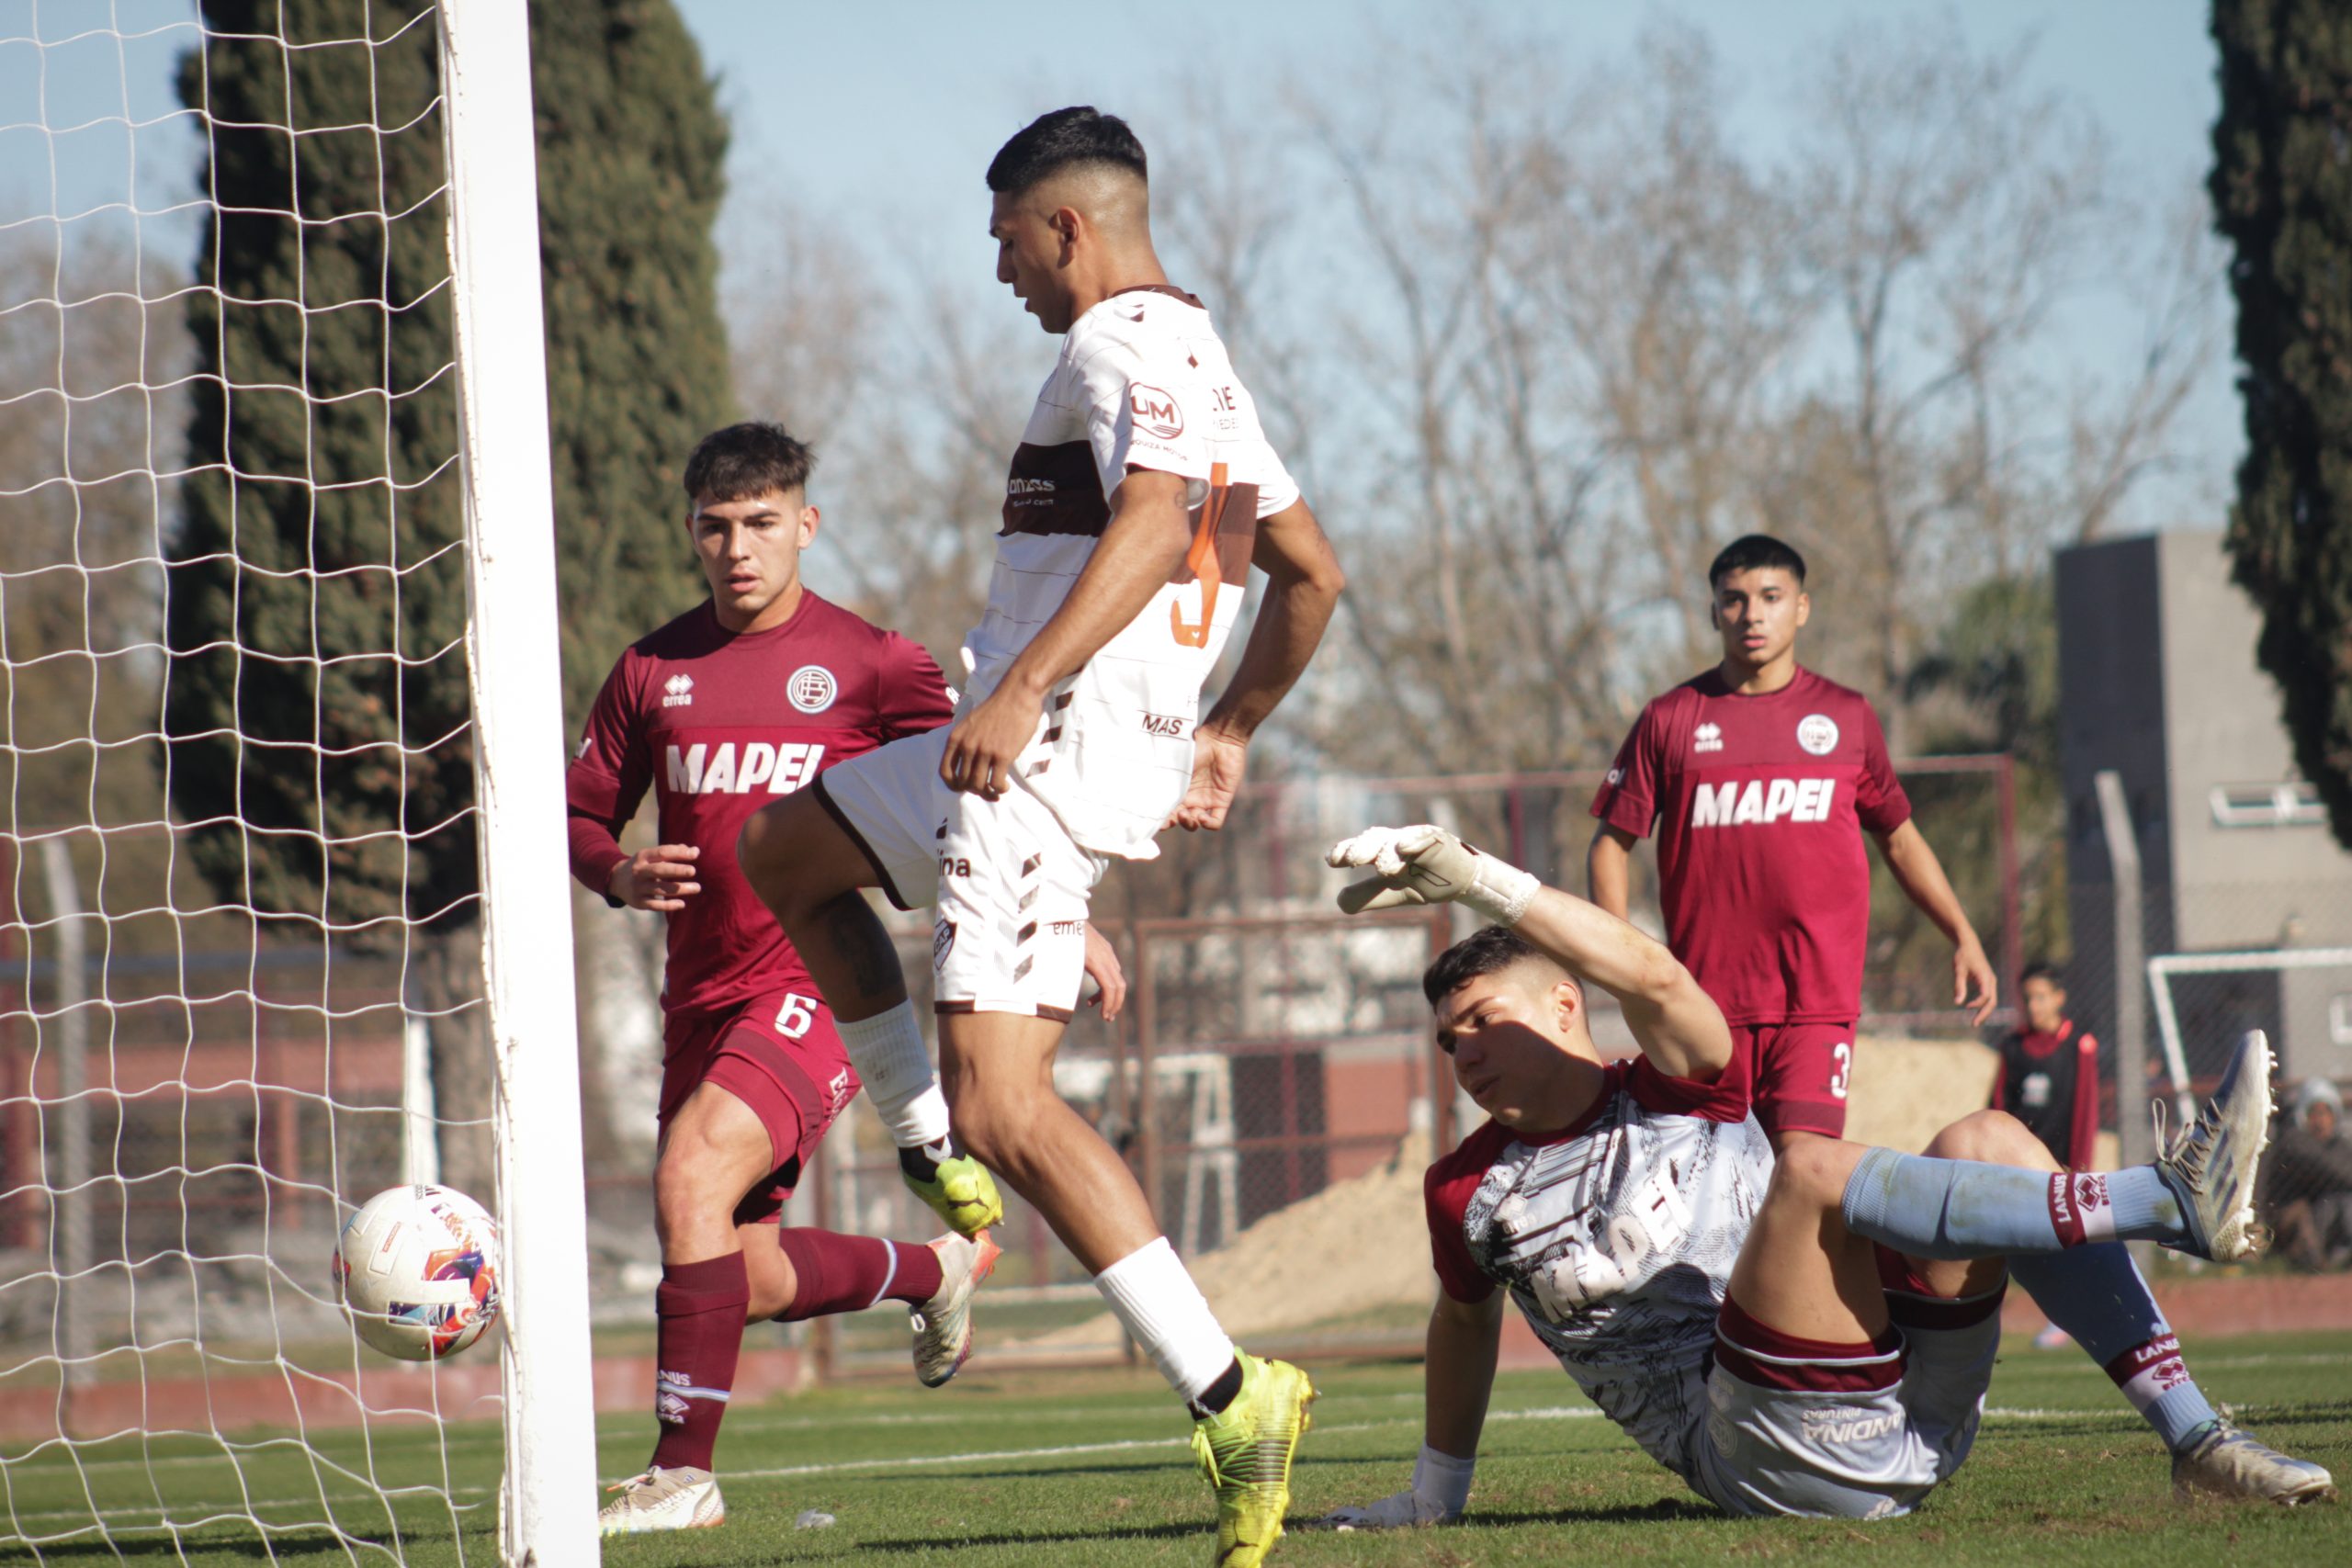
(1080, 1469)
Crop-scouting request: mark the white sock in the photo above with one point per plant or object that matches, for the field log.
(1165, 1313)
(894, 1066)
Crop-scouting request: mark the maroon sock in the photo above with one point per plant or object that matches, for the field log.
(848, 1273)
(701, 1309)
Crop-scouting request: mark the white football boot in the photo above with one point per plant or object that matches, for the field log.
(943, 1326)
(679, 1498)
(2227, 1463)
(2210, 1166)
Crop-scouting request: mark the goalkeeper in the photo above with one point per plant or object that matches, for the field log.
(1813, 1339)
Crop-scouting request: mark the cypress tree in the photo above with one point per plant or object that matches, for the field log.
(632, 150)
(2283, 195)
(316, 699)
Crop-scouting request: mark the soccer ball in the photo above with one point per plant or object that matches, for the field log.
(417, 1269)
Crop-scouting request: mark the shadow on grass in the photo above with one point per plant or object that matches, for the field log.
(1665, 1508)
(1662, 1509)
(1040, 1538)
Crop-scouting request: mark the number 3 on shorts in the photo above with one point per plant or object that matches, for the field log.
(1842, 1054)
(792, 1019)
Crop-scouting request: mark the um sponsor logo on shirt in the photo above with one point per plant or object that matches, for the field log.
(779, 769)
(1707, 737)
(678, 692)
(1735, 805)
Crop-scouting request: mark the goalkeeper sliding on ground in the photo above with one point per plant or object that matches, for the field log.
(1811, 1340)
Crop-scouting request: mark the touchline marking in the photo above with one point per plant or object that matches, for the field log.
(1537, 1413)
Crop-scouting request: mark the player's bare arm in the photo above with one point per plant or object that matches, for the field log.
(1458, 1376)
(1463, 1342)
(1921, 877)
(1303, 585)
(1607, 869)
(1142, 545)
(660, 878)
(1676, 1025)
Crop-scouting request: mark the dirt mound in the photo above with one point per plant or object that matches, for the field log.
(1355, 1246)
(1905, 1091)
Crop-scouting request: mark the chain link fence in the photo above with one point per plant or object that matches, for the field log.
(2221, 958)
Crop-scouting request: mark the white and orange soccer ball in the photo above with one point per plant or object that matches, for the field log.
(417, 1269)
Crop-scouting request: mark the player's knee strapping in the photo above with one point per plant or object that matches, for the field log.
(894, 1064)
(1959, 1209)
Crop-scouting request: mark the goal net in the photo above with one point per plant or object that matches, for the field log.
(282, 846)
(2300, 997)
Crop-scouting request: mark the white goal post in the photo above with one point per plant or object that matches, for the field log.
(546, 1513)
(2163, 969)
(201, 1078)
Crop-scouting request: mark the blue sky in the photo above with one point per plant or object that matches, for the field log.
(907, 96)
(884, 113)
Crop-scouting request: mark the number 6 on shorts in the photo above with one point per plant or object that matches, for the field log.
(792, 1019)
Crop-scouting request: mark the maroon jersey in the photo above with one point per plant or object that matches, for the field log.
(718, 725)
(1761, 868)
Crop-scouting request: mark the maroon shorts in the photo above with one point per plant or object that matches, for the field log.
(778, 1053)
(1799, 1073)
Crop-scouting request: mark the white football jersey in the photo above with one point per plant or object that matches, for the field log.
(1142, 382)
(1616, 1238)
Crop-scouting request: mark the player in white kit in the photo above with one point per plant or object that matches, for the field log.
(1142, 492)
(1814, 1338)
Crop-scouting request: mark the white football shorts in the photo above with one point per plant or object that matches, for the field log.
(1009, 884)
(1854, 1454)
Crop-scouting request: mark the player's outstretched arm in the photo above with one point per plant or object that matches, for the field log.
(1677, 1026)
(1458, 1376)
(1921, 877)
(1303, 585)
(1142, 545)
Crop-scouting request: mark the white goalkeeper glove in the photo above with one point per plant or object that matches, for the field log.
(1426, 864)
(1440, 1488)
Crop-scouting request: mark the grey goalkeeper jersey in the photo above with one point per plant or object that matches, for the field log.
(1616, 1238)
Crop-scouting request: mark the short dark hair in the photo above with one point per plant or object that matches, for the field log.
(1754, 552)
(2038, 970)
(748, 459)
(1061, 139)
(1489, 950)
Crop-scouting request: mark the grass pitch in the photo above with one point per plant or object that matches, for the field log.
(1092, 1471)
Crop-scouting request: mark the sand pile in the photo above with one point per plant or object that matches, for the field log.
(1354, 1246)
(1905, 1091)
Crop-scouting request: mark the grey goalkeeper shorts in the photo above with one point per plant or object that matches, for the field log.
(1846, 1431)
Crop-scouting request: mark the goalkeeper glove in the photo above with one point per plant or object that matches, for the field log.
(1440, 1488)
(1428, 865)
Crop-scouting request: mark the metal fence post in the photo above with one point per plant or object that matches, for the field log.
(2132, 1131)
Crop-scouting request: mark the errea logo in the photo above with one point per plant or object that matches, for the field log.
(1707, 737)
(678, 692)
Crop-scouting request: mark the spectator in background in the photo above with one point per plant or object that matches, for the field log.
(2308, 1187)
(2050, 1072)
